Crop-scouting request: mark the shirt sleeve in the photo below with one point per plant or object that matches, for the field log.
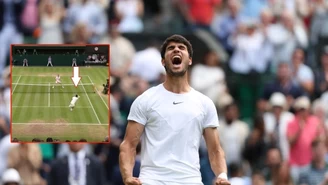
(306, 74)
(138, 111)
(211, 117)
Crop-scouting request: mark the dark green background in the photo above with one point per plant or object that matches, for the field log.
(61, 55)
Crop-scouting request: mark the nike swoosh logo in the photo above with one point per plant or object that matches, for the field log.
(175, 103)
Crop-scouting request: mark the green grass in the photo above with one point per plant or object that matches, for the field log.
(35, 104)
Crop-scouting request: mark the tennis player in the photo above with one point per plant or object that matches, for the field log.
(73, 101)
(170, 119)
(58, 81)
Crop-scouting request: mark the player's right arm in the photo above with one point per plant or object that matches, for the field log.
(127, 156)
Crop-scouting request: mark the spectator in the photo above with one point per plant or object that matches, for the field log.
(27, 160)
(237, 175)
(148, 59)
(301, 131)
(36, 140)
(76, 168)
(255, 147)
(10, 27)
(80, 34)
(283, 84)
(130, 13)
(199, 14)
(321, 75)
(286, 35)
(321, 112)
(298, 8)
(124, 51)
(5, 147)
(273, 160)
(252, 51)
(252, 8)
(258, 178)
(302, 75)
(51, 15)
(11, 177)
(318, 29)
(233, 133)
(227, 25)
(317, 173)
(88, 13)
(283, 176)
(30, 17)
(276, 123)
(209, 77)
(48, 154)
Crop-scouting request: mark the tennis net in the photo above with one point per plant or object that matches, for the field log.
(53, 88)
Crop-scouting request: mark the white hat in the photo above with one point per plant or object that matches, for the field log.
(11, 175)
(278, 99)
(302, 102)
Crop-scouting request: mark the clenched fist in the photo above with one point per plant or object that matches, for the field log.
(132, 181)
(220, 181)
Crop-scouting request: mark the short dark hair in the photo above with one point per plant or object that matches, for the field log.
(36, 140)
(49, 139)
(178, 39)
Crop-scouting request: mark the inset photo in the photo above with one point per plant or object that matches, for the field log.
(60, 93)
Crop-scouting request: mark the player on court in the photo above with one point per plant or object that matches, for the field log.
(170, 119)
(57, 81)
(49, 61)
(73, 101)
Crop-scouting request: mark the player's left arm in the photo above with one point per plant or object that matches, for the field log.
(215, 152)
(216, 155)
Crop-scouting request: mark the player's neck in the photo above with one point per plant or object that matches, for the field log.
(177, 85)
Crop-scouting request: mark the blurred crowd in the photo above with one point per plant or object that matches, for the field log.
(271, 94)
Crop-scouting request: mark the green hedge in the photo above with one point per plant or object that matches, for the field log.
(42, 60)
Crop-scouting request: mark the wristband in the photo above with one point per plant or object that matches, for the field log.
(223, 176)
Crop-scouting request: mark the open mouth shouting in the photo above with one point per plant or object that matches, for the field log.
(176, 60)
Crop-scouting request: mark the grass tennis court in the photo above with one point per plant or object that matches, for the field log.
(40, 107)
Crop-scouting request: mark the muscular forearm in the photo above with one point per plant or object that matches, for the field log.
(127, 159)
(218, 162)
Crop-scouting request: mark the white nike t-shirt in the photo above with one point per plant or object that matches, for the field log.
(174, 125)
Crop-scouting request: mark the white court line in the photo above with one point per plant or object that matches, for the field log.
(16, 84)
(49, 96)
(77, 124)
(90, 102)
(83, 107)
(99, 95)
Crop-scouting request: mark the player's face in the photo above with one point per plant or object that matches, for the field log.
(177, 60)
